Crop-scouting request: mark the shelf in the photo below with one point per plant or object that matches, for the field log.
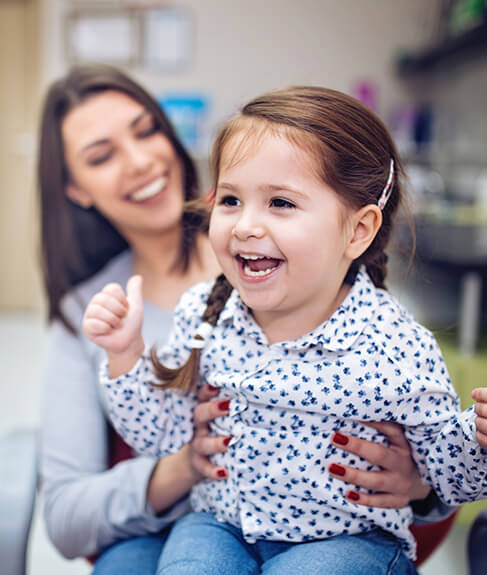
(460, 47)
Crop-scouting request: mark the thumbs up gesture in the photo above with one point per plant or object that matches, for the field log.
(114, 320)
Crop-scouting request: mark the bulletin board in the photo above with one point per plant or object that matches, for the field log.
(159, 38)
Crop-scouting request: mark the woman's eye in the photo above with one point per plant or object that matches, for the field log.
(281, 203)
(146, 128)
(147, 132)
(101, 159)
(229, 200)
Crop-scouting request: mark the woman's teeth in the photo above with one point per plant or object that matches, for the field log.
(149, 191)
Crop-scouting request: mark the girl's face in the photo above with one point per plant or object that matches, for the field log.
(120, 164)
(281, 235)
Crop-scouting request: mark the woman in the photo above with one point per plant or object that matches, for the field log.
(113, 181)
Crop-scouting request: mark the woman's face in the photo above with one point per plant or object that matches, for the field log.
(119, 163)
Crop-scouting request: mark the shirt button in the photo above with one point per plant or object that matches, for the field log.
(236, 433)
(237, 405)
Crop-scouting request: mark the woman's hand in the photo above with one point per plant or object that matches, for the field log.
(396, 484)
(203, 444)
(480, 396)
(175, 475)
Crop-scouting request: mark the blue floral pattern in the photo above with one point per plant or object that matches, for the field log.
(369, 362)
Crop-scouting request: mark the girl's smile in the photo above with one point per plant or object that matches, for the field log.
(257, 267)
(280, 235)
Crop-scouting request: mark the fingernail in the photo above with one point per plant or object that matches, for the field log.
(221, 473)
(340, 439)
(353, 496)
(337, 469)
(212, 387)
(227, 440)
(224, 405)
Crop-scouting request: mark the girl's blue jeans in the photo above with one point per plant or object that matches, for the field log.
(135, 556)
(200, 545)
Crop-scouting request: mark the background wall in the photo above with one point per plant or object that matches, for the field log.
(239, 50)
(19, 97)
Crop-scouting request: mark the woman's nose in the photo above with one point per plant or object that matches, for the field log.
(138, 158)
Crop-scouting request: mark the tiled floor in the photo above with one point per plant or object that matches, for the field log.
(21, 350)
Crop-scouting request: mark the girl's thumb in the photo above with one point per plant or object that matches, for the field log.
(134, 291)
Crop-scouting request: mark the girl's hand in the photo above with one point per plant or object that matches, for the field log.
(396, 484)
(203, 444)
(480, 396)
(114, 321)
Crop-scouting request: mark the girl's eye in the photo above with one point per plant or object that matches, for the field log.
(101, 159)
(281, 203)
(230, 201)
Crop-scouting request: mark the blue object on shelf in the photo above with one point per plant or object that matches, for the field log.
(187, 113)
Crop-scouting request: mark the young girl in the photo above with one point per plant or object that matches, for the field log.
(302, 335)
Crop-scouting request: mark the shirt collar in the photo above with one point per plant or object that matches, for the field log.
(336, 334)
(350, 319)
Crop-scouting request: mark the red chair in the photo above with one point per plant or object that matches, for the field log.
(428, 537)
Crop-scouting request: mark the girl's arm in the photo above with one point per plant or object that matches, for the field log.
(443, 439)
(154, 420)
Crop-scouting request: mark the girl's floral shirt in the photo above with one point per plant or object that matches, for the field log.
(369, 362)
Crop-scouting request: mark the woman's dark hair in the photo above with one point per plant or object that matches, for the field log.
(77, 242)
(351, 151)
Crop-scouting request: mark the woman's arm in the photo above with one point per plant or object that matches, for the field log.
(86, 505)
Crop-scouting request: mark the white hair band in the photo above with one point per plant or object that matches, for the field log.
(200, 339)
(387, 191)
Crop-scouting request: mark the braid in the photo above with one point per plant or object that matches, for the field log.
(185, 377)
(377, 270)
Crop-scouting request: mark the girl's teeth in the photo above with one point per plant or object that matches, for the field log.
(252, 257)
(259, 273)
(149, 191)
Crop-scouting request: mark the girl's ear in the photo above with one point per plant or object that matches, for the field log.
(365, 225)
(78, 196)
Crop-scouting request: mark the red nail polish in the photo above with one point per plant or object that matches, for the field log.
(353, 496)
(224, 405)
(337, 469)
(211, 387)
(221, 473)
(227, 440)
(340, 439)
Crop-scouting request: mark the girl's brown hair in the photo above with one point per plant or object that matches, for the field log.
(351, 151)
(77, 242)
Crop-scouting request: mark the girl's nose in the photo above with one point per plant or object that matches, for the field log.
(248, 226)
